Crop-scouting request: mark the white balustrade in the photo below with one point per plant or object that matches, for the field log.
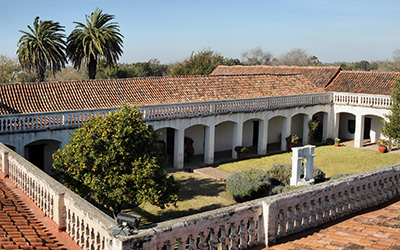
(378, 101)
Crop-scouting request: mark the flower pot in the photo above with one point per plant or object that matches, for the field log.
(382, 149)
(337, 144)
(290, 146)
(241, 155)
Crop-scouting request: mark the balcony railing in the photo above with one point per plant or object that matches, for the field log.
(239, 226)
(72, 119)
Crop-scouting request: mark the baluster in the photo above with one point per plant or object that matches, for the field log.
(305, 215)
(297, 218)
(326, 209)
(223, 238)
(339, 205)
(345, 207)
(281, 223)
(233, 237)
(181, 244)
(313, 220)
(319, 212)
(332, 207)
(252, 233)
(289, 220)
(242, 236)
(192, 243)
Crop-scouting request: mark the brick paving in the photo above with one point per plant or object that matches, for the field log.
(24, 226)
(377, 228)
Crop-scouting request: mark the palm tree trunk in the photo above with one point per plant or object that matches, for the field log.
(92, 67)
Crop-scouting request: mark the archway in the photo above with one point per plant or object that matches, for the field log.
(40, 152)
(372, 128)
(322, 130)
(275, 125)
(347, 126)
(299, 128)
(167, 135)
(196, 135)
(251, 134)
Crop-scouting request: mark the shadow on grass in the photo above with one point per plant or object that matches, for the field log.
(192, 187)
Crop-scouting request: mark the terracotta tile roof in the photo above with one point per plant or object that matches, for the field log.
(363, 82)
(24, 226)
(93, 94)
(319, 75)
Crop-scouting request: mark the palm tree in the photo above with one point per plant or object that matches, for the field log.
(99, 38)
(41, 48)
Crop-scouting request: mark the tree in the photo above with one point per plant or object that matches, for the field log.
(99, 38)
(391, 125)
(362, 65)
(116, 160)
(42, 47)
(9, 69)
(297, 57)
(202, 63)
(256, 56)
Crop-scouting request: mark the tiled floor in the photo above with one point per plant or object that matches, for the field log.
(24, 226)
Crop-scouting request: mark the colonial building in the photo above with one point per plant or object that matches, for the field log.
(234, 106)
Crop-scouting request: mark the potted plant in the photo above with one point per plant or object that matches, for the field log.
(240, 150)
(337, 142)
(382, 145)
(291, 140)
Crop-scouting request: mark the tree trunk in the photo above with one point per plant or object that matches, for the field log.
(92, 67)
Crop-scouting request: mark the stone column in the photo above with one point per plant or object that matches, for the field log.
(296, 166)
(286, 124)
(359, 133)
(237, 137)
(325, 126)
(209, 144)
(179, 148)
(262, 137)
(306, 119)
(4, 164)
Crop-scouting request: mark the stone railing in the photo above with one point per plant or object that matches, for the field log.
(86, 224)
(265, 220)
(72, 119)
(377, 101)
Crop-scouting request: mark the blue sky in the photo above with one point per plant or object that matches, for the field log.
(339, 30)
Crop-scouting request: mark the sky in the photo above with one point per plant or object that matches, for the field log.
(332, 30)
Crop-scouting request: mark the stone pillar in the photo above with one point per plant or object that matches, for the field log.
(209, 144)
(286, 124)
(359, 133)
(325, 126)
(262, 137)
(296, 166)
(179, 148)
(306, 119)
(309, 168)
(237, 138)
(60, 212)
(4, 164)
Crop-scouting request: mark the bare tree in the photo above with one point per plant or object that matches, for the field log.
(298, 57)
(256, 56)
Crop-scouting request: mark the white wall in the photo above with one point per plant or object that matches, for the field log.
(376, 126)
(275, 129)
(343, 126)
(223, 136)
(248, 128)
(197, 134)
(297, 125)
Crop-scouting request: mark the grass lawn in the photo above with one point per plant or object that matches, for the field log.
(330, 159)
(200, 193)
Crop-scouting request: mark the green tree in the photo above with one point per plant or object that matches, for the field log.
(116, 160)
(391, 125)
(42, 47)
(202, 63)
(99, 38)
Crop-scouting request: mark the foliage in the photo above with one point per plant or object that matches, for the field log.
(312, 131)
(9, 69)
(248, 184)
(318, 175)
(99, 38)
(391, 125)
(116, 160)
(382, 142)
(281, 173)
(337, 140)
(202, 63)
(329, 141)
(240, 149)
(298, 57)
(42, 47)
(292, 139)
(256, 56)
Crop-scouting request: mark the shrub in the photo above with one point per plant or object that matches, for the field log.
(281, 173)
(248, 184)
(329, 141)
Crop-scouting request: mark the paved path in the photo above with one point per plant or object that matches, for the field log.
(24, 226)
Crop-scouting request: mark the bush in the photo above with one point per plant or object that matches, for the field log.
(281, 173)
(329, 141)
(248, 184)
